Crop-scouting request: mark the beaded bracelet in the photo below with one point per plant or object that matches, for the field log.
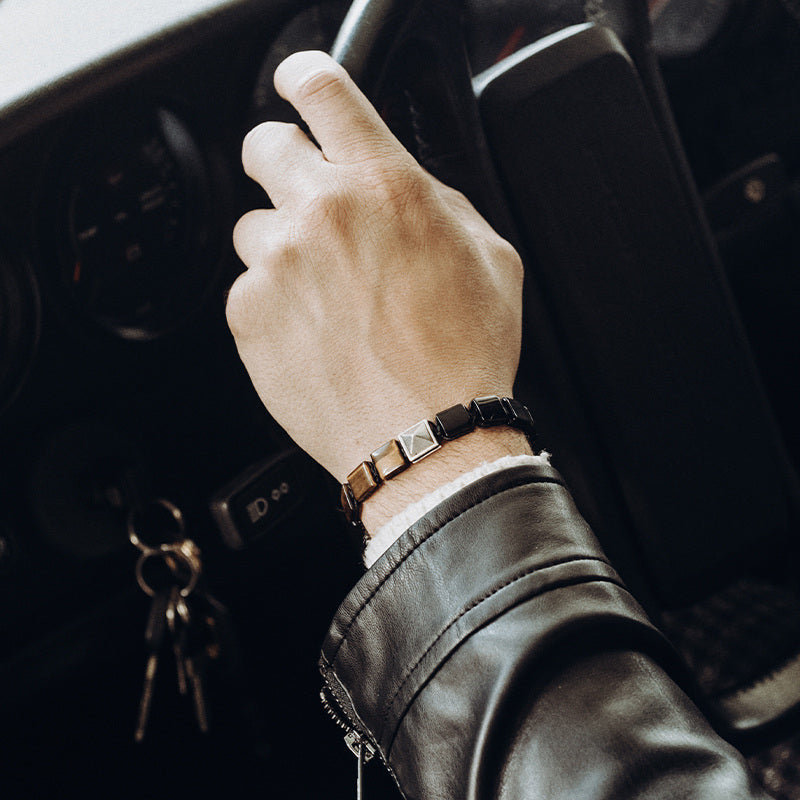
(424, 438)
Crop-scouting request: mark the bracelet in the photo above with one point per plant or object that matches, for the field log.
(424, 438)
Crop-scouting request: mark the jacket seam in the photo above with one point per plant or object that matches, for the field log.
(515, 485)
(567, 583)
(489, 594)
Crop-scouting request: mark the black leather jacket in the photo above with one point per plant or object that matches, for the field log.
(493, 652)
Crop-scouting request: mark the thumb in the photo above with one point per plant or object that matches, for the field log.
(346, 125)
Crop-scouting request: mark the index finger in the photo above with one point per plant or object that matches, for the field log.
(345, 124)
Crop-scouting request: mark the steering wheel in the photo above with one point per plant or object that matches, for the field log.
(634, 357)
(385, 45)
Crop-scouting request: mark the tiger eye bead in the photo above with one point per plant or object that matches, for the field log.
(389, 460)
(363, 481)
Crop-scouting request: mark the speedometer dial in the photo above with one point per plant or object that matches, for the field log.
(131, 225)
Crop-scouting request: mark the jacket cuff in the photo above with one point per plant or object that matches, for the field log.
(509, 539)
(378, 544)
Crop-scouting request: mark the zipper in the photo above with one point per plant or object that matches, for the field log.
(358, 742)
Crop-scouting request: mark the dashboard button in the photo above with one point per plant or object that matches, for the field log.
(259, 500)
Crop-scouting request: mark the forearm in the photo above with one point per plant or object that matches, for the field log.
(626, 728)
(493, 652)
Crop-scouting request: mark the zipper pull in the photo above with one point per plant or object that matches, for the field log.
(360, 773)
(364, 752)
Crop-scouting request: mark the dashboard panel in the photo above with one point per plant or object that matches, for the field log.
(119, 381)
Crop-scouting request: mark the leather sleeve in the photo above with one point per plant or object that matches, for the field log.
(493, 652)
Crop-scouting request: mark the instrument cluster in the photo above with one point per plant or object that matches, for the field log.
(125, 242)
(120, 385)
(128, 247)
(119, 380)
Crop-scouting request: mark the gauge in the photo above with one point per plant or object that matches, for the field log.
(19, 325)
(131, 224)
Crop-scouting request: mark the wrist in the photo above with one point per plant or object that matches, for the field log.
(455, 459)
(488, 429)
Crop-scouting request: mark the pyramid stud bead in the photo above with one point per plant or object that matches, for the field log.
(418, 441)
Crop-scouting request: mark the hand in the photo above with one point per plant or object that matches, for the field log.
(375, 296)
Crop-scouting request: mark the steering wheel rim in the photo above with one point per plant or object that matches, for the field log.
(371, 39)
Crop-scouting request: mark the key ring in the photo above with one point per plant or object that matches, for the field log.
(175, 516)
(186, 552)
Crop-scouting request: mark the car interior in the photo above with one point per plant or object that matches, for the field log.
(644, 158)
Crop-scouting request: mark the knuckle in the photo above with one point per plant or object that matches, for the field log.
(322, 84)
(329, 197)
(519, 269)
(250, 306)
(264, 242)
(256, 138)
(399, 187)
(330, 206)
(237, 304)
(512, 258)
(253, 298)
(241, 233)
(267, 137)
(246, 238)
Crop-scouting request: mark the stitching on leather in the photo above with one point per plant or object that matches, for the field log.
(521, 481)
(488, 595)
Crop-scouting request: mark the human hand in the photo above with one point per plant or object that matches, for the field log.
(375, 296)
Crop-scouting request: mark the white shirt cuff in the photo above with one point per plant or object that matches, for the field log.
(401, 522)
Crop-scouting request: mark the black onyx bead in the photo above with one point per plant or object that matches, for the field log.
(519, 416)
(454, 422)
(489, 411)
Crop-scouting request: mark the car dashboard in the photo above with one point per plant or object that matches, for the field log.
(120, 383)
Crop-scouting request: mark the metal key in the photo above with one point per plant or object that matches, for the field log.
(178, 619)
(198, 695)
(216, 620)
(170, 565)
(154, 637)
(194, 654)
